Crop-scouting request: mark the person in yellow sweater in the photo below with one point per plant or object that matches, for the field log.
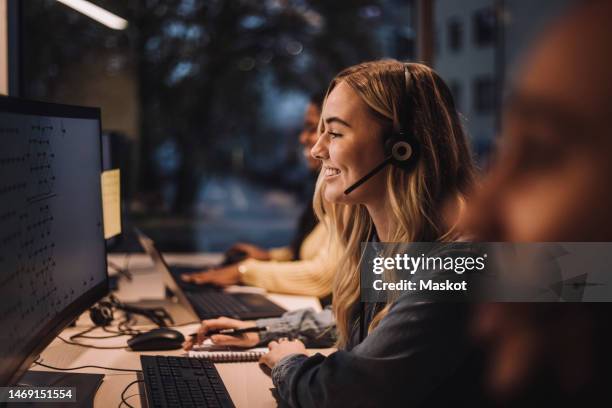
(301, 268)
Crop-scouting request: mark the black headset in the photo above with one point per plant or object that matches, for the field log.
(401, 148)
(101, 314)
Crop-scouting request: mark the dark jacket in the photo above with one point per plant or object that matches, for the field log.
(419, 355)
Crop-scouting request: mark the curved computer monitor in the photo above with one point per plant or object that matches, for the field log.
(52, 248)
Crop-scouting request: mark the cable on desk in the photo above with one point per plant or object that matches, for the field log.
(85, 366)
(125, 326)
(123, 399)
(74, 343)
(106, 329)
(124, 329)
(121, 332)
(82, 333)
(101, 337)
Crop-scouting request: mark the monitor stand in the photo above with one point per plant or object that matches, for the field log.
(86, 386)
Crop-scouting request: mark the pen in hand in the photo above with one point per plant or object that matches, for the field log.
(231, 332)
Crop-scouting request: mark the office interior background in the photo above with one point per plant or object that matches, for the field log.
(202, 101)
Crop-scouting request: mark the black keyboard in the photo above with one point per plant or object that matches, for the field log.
(211, 304)
(183, 382)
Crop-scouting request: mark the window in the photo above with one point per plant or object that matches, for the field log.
(210, 96)
(455, 34)
(485, 27)
(405, 47)
(436, 40)
(484, 95)
(456, 90)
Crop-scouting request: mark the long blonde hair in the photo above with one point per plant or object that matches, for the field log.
(444, 170)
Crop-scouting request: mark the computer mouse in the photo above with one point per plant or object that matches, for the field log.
(157, 339)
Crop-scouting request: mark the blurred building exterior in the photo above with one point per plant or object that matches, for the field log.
(477, 44)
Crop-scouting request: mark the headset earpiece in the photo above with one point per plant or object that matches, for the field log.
(401, 151)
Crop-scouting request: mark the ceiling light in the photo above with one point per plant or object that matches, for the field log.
(97, 13)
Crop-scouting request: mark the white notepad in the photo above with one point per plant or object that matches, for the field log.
(233, 356)
(226, 354)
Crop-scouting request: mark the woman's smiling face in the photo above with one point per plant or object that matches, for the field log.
(350, 144)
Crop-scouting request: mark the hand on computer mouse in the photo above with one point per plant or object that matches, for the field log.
(228, 275)
(246, 340)
(251, 251)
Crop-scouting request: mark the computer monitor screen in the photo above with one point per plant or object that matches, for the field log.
(52, 249)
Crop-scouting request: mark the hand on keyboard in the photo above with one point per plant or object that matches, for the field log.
(227, 275)
(246, 340)
(241, 251)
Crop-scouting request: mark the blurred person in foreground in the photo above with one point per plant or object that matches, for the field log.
(300, 268)
(551, 182)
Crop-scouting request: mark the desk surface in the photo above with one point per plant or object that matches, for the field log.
(247, 384)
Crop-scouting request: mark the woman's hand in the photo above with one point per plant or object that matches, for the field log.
(228, 275)
(246, 340)
(251, 251)
(281, 349)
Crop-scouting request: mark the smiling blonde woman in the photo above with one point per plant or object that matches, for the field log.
(397, 352)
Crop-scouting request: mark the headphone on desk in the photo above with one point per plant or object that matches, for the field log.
(401, 148)
(101, 314)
